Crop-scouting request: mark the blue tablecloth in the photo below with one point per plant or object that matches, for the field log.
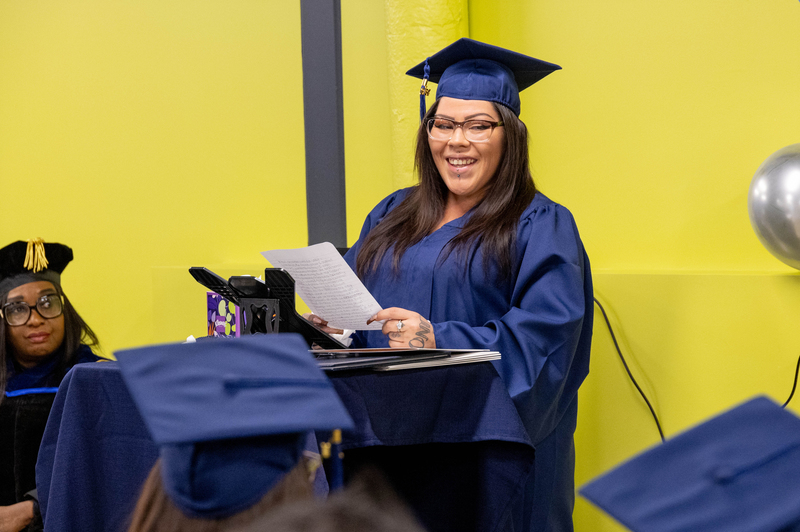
(449, 439)
(450, 404)
(95, 453)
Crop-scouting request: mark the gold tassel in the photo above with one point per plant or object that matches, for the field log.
(34, 255)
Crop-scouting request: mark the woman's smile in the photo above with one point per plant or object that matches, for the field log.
(460, 163)
(467, 168)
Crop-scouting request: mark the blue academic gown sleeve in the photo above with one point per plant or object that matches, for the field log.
(539, 333)
(540, 319)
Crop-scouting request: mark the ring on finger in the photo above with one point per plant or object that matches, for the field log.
(399, 325)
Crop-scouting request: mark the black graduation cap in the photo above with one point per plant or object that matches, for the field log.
(35, 260)
(738, 472)
(229, 415)
(472, 70)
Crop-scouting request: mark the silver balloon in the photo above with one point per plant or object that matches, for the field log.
(774, 204)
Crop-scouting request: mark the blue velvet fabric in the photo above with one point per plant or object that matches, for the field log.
(217, 479)
(43, 375)
(96, 453)
(449, 439)
(473, 70)
(225, 389)
(480, 79)
(736, 472)
(230, 415)
(23, 416)
(540, 319)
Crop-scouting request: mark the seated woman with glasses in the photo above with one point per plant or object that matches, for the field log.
(41, 338)
(475, 256)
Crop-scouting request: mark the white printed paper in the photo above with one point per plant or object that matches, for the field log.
(328, 286)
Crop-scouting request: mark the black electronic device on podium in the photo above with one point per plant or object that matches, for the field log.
(266, 306)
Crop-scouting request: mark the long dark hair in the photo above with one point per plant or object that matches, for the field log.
(494, 219)
(76, 332)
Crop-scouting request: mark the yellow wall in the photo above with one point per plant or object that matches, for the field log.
(151, 135)
(662, 114)
(380, 42)
(650, 135)
(129, 129)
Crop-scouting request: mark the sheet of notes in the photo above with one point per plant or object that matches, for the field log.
(327, 285)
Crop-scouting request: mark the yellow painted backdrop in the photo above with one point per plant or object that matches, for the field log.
(150, 137)
(650, 135)
(155, 136)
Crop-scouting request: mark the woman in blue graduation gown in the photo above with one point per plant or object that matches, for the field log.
(475, 256)
(41, 338)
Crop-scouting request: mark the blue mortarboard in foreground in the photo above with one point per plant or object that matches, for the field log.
(229, 415)
(472, 70)
(738, 472)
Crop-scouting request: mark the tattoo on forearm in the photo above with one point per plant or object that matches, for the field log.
(422, 335)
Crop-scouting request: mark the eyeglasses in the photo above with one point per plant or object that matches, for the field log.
(18, 312)
(474, 130)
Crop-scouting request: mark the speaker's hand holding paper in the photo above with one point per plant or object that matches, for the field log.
(327, 285)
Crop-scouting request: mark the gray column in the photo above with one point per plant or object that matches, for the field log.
(324, 121)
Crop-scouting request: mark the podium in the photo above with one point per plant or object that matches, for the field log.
(449, 439)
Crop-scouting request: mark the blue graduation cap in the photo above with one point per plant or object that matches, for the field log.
(472, 70)
(229, 415)
(737, 472)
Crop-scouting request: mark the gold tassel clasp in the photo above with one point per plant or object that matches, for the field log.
(424, 90)
(34, 256)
